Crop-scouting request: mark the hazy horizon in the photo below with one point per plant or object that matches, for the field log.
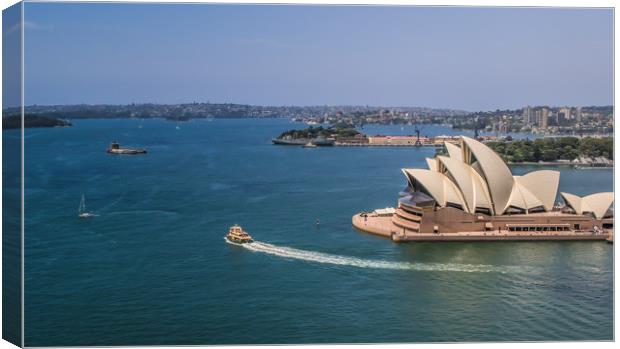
(465, 58)
(310, 106)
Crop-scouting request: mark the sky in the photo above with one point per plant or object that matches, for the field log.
(11, 60)
(445, 57)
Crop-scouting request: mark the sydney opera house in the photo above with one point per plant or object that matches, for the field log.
(470, 194)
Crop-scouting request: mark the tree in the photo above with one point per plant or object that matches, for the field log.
(549, 154)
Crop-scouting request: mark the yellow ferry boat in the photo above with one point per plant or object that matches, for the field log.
(237, 235)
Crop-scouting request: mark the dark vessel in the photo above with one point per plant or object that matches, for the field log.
(115, 148)
(323, 142)
(318, 141)
(290, 141)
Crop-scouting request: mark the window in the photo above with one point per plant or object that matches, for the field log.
(536, 209)
(451, 204)
(483, 210)
(514, 210)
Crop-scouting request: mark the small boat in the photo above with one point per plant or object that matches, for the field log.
(289, 141)
(115, 148)
(237, 235)
(82, 213)
(309, 145)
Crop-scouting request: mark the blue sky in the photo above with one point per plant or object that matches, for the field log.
(465, 58)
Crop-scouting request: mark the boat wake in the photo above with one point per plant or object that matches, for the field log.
(325, 258)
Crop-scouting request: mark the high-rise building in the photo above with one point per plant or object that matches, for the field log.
(544, 118)
(527, 115)
(563, 116)
(578, 114)
(536, 117)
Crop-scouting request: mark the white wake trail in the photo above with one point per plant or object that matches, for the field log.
(318, 257)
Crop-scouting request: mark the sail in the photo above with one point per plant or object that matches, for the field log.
(82, 207)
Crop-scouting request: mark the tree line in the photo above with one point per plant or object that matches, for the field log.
(552, 149)
(339, 130)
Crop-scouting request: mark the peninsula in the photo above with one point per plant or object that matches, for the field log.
(317, 136)
(15, 121)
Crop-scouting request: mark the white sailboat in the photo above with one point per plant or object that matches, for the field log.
(82, 213)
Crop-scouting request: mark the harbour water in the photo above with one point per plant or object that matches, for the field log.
(153, 267)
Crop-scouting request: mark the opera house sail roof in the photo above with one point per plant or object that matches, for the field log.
(475, 179)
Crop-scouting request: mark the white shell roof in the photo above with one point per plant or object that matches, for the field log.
(436, 184)
(523, 198)
(544, 184)
(597, 203)
(474, 176)
(472, 186)
(454, 151)
(497, 174)
(432, 164)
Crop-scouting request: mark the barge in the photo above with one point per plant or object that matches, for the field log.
(115, 148)
(318, 141)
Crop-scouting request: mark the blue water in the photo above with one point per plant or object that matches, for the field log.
(153, 268)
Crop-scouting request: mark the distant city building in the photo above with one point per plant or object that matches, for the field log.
(563, 116)
(544, 118)
(537, 114)
(578, 114)
(527, 115)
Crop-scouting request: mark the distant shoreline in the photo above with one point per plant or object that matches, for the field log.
(32, 121)
(554, 163)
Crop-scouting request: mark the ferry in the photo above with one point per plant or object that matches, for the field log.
(237, 235)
